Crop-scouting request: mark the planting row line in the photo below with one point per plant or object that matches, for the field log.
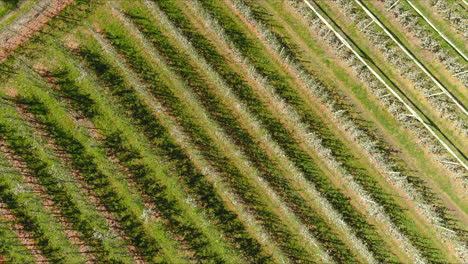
(454, 12)
(89, 157)
(426, 83)
(453, 58)
(17, 243)
(426, 138)
(448, 140)
(244, 60)
(281, 141)
(226, 94)
(362, 187)
(434, 216)
(46, 111)
(407, 52)
(240, 170)
(290, 145)
(26, 204)
(279, 48)
(159, 192)
(147, 116)
(265, 145)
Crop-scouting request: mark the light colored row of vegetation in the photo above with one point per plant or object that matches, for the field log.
(411, 193)
(192, 131)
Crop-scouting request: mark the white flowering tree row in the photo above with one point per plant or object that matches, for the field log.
(434, 27)
(391, 51)
(411, 56)
(454, 12)
(440, 98)
(414, 20)
(257, 130)
(324, 152)
(404, 65)
(396, 105)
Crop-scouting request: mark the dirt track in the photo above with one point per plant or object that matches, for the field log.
(20, 30)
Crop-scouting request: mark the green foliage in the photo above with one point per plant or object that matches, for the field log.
(26, 205)
(134, 159)
(7, 5)
(219, 112)
(197, 185)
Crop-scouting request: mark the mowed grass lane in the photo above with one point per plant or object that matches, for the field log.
(189, 173)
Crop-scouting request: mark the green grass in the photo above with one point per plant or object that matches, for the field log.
(7, 6)
(17, 10)
(431, 63)
(356, 86)
(160, 139)
(50, 239)
(95, 120)
(260, 161)
(242, 185)
(434, 173)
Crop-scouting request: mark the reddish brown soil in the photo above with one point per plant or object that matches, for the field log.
(48, 203)
(35, 22)
(23, 235)
(82, 121)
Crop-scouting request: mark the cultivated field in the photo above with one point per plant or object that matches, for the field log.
(233, 131)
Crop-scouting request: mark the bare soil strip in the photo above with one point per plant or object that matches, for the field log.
(24, 236)
(32, 182)
(24, 27)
